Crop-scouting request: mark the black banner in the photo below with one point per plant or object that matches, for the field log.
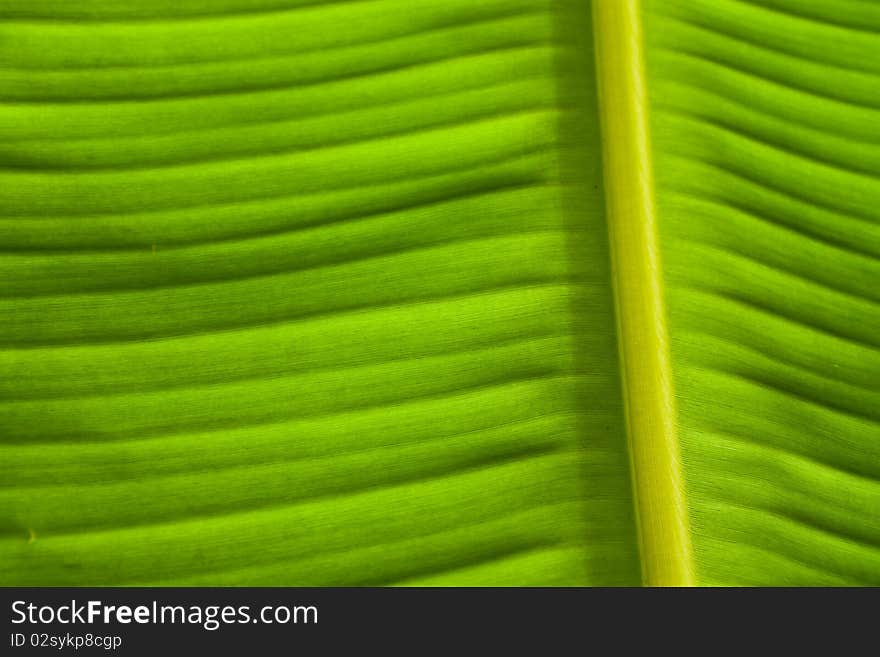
(151, 621)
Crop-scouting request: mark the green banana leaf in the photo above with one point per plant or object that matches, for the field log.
(322, 293)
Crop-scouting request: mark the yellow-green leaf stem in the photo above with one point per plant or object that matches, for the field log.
(644, 351)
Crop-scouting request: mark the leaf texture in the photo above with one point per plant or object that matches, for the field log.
(766, 124)
(319, 293)
(325, 310)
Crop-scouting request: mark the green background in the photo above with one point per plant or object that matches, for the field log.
(299, 293)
